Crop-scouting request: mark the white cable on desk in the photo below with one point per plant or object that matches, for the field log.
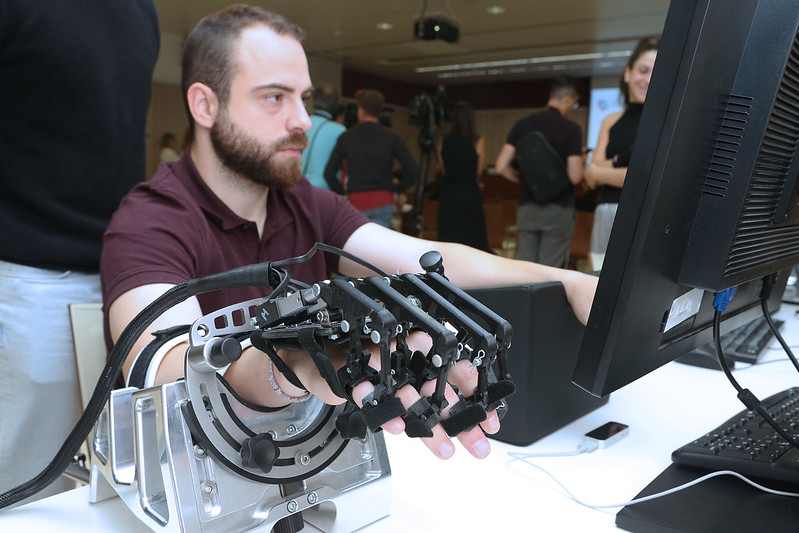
(524, 458)
(540, 455)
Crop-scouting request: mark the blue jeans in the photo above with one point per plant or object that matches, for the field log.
(380, 215)
(39, 398)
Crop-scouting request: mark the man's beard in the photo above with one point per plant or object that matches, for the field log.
(246, 156)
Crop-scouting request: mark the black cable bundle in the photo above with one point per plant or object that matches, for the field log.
(101, 392)
(259, 275)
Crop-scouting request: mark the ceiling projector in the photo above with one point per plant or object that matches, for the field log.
(432, 28)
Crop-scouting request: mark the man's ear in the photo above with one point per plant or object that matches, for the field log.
(203, 104)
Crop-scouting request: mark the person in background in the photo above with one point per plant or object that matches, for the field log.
(186, 142)
(461, 158)
(608, 167)
(323, 134)
(369, 150)
(545, 229)
(169, 145)
(237, 197)
(76, 87)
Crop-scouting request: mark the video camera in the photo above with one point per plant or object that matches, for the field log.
(428, 112)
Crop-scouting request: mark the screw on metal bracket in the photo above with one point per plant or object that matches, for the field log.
(208, 488)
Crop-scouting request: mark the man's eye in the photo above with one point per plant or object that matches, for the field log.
(275, 98)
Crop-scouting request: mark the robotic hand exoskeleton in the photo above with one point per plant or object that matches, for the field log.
(382, 311)
(193, 456)
(357, 313)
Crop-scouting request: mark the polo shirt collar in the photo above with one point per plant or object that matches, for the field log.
(217, 211)
(214, 208)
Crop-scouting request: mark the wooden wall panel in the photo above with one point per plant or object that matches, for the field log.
(166, 114)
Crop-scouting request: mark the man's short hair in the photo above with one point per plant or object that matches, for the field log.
(564, 86)
(325, 97)
(371, 101)
(208, 50)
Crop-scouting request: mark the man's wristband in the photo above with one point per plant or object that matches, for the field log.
(279, 392)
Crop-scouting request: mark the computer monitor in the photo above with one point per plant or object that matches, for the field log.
(710, 197)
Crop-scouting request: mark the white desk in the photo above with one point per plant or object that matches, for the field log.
(664, 410)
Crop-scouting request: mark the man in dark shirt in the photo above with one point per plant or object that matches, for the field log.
(76, 81)
(369, 150)
(238, 197)
(545, 230)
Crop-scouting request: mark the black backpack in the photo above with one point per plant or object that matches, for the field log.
(541, 168)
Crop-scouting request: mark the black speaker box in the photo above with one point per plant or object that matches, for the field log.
(542, 356)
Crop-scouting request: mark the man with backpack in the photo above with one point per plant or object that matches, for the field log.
(544, 153)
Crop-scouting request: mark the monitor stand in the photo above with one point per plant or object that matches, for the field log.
(722, 503)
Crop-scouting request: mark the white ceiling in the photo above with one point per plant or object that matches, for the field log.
(346, 31)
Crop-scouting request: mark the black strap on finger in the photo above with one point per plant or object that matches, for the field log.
(463, 416)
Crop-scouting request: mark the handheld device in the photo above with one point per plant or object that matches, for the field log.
(607, 434)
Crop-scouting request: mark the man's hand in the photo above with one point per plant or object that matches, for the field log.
(462, 375)
(580, 289)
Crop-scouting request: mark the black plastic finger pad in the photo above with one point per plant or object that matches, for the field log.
(351, 425)
(499, 391)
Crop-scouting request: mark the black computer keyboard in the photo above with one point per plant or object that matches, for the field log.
(747, 444)
(748, 342)
(745, 344)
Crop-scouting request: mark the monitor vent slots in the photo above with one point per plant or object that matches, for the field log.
(758, 240)
(728, 141)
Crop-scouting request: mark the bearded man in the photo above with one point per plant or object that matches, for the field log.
(237, 198)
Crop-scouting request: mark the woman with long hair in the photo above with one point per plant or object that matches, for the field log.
(461, 158)
(608, 167)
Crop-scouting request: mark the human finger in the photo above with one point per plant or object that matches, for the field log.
(474, 440)
(439, 443)
(365, 389)
(464, 376)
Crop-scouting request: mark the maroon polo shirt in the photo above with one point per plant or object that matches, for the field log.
(174, 228)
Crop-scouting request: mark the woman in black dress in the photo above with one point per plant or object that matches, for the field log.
(461, 157)
(608, 168)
